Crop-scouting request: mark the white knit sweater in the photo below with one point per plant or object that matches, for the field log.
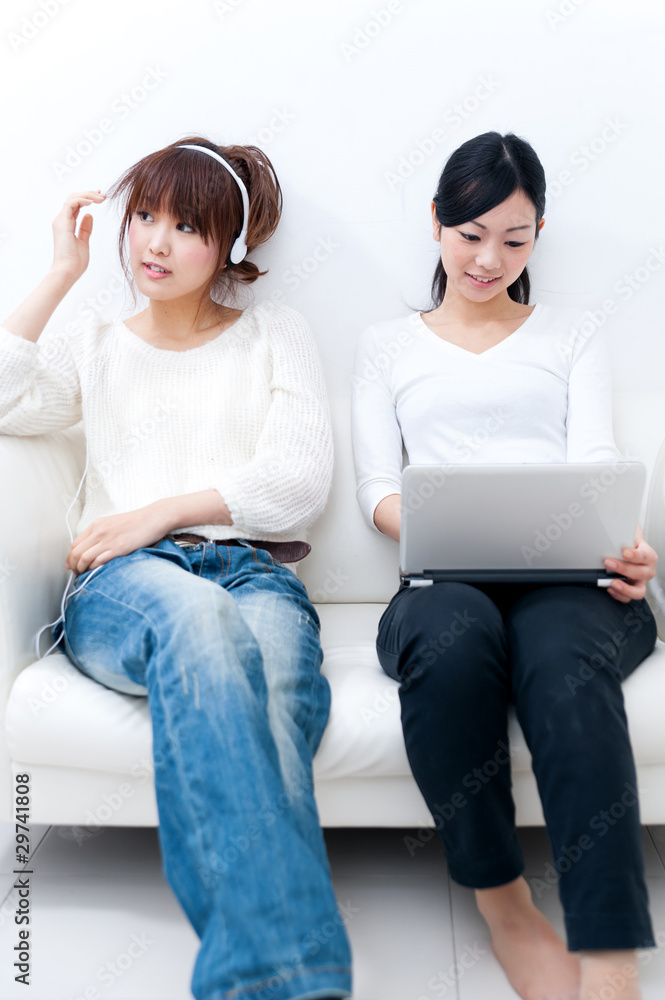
(245, 413)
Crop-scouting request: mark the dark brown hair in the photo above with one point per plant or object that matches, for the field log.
(195, 189)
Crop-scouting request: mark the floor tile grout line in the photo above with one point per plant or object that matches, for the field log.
(452, 928)
(655, 847)
(28, 863)
(41, 840)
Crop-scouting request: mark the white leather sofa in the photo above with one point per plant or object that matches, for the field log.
(88, 749)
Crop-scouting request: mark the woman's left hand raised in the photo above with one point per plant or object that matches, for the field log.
(117, 535)
(638, 565)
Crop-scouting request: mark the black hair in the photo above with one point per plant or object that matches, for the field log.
(477, 177)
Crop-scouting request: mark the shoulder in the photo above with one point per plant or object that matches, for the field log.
(276, 318)
(575, 331)
(285, 338)
(389, 333)
(566, 318)
(79, 340)
(283, 329)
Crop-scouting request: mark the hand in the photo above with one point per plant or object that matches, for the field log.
(71, 253)
(117, 535)
(639, 566)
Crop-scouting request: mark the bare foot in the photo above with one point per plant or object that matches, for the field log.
(533, 956)
(609, 973)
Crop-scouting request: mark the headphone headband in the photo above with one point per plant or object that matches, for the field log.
(239, 248)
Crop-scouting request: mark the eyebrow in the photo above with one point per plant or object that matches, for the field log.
(511, 230)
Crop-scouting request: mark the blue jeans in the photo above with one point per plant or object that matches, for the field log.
(225, 644)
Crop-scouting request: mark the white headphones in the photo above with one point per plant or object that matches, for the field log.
(239, 248)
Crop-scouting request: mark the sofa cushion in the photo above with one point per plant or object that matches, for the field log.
(56, 716)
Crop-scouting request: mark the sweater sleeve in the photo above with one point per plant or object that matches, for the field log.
(285, 486)
(377, 438)
(39, 384)
(589, 433)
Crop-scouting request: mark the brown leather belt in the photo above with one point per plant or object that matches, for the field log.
(286, 552)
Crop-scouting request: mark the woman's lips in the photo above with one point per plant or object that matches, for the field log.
(147, 269)
(482, 284)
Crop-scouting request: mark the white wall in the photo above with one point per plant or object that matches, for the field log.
(338, 100)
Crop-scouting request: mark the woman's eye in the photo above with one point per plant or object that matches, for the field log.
(185, 227)
(514, 243)
(470, 236)
(143, 215)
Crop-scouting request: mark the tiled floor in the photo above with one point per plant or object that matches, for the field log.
(104, 923)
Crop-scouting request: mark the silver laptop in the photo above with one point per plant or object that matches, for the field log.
(518, 523)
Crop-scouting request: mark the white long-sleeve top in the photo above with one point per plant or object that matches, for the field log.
(543, 394)
(245, 413)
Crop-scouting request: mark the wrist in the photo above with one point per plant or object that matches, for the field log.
(61, 278)
(166, 515)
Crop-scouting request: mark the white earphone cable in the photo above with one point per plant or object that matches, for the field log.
(65, 594)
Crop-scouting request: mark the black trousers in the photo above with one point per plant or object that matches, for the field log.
(462, 654)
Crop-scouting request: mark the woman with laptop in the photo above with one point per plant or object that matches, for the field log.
(485, 377)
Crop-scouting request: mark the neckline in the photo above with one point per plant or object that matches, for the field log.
(535, 312)
(190, 350)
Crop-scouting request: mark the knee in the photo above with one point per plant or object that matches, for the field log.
(447, 628)
(195, 613)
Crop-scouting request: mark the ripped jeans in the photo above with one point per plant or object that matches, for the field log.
(224, 642)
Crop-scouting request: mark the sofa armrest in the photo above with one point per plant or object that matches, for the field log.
(40, 476)
(654, 532)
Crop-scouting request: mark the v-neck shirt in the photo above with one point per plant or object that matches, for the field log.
(542, 394)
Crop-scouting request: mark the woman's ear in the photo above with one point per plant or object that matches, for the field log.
(541, 224)
(436, 225)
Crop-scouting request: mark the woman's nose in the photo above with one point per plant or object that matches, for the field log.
(489, 257)
(159, 242)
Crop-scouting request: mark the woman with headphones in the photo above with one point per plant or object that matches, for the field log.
(482, 350)
(183, 587)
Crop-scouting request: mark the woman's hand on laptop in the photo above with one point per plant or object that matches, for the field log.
(638, 565)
